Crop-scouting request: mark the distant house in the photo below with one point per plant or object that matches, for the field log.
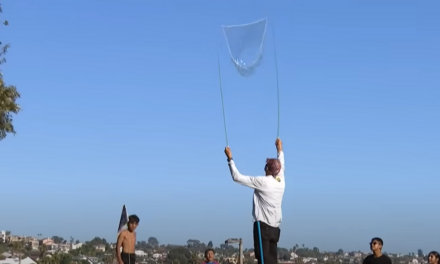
(64, 247)
(34, 244)
(100, 247)
(76, 246)
(293, 255)
(414, 261)
(311, 260)
(11, 239)
(46, 242)
(157, 256)
(140, 253)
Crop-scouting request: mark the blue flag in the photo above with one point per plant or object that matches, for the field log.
(123, 220)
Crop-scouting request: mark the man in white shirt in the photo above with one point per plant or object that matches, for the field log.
(268, 197)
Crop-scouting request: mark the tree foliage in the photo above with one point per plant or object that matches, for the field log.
(179, 255)
(8, 96)
(153, 241)
(57, 239)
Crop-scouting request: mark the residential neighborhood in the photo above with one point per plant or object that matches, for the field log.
(18, 249)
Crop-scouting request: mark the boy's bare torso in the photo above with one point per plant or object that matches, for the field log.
(128, 241)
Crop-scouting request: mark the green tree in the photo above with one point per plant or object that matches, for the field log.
(195, 258)
(3, 248)
(143, 245)
(65, 259)
(282, 251)
(8, 96)
(179, 255)
(57, 239)
(28, 247)
(210, 245)
(56, 258)
(153, 241)
(420, 253)
(45, 260)
(97, 241)
(16, 247)
(42, 249)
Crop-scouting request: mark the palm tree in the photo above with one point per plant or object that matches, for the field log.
(42, 250)
(15, 247)
(55, 259)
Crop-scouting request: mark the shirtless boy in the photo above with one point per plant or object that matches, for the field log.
(127, 240)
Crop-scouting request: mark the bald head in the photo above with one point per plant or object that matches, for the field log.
(273, 167)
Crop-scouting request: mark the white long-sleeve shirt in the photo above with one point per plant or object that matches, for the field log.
(268, 193)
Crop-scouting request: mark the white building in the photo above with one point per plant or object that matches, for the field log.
(3, 236)
(157, 255)
(76, 246)
(140, 253)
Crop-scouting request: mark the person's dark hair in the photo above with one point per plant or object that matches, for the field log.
(378, 239)
(209, 250)
(133, 219)
(435, 254)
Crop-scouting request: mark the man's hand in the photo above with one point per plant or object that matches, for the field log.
(228, 153)
(279, 145)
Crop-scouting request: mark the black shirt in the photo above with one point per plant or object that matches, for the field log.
(371, 259)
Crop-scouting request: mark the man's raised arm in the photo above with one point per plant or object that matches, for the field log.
(279, 145)
(252, 182)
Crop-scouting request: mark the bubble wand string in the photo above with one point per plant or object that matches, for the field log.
(221, 94)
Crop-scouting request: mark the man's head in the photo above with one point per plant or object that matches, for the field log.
(376, 244)
(209, 255)
(133, 222)
(434, 257)
(273, 167)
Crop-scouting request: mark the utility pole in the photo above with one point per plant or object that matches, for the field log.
(240, 247)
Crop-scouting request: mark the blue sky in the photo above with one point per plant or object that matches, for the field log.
(121, 105)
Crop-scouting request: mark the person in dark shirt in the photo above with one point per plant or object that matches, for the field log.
(377, 257)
